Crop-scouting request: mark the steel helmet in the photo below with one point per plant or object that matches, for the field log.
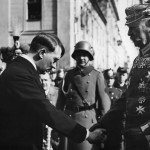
(83, 46)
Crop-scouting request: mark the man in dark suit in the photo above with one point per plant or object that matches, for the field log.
(23, 103)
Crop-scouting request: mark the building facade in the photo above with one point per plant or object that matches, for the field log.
(72, 20)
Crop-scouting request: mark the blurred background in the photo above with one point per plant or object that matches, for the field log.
(101, 22)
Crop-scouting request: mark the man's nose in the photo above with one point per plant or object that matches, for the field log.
(81, 57)
(130, 32)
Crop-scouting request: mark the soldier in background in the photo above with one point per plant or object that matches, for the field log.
(82, 89)
(114, 138)
(121, 79)
(114, 93)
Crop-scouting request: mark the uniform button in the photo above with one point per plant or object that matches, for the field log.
(112, 93)
(89, 74)
(88, 82)
(70, 90)
(86, 116)
(86, 91)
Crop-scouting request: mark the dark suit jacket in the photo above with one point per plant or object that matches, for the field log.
(24, 107)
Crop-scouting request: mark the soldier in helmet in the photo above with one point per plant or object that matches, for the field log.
(135, 102)
(83, 88)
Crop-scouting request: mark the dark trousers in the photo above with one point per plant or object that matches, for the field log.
(142, 145)
(16, 147)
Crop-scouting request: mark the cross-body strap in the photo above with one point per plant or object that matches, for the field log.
(84, 101)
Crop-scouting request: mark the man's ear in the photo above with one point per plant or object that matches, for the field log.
(41, 52)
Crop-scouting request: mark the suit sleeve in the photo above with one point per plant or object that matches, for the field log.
(29, 92)
(103, 98)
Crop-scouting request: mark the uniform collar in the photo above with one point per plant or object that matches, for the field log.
(145, 51)
(86, 70)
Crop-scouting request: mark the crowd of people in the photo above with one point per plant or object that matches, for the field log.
(46, 108)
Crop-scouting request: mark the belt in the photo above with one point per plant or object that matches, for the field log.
(80, 108)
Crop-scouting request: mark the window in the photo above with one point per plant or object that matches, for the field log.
(34, 10)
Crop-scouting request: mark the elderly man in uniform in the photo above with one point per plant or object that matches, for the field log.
(82, 89)
(136, 100)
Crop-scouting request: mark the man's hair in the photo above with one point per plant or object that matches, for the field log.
(7, 54)
(48, 40)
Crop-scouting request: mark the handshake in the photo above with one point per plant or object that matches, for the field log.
(97, 135)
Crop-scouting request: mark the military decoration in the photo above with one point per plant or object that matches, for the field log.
(142, 86)
(141, 99)
(140, 109)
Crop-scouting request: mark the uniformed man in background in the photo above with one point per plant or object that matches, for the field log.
(136, 100)
(82, 89)
(114, 93)
(121, 79)
(114, 139)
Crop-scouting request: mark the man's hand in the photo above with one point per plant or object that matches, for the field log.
(97, 136)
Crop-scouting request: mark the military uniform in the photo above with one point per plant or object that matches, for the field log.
(135, 102)
(114, 94)
(91, 85)
(114, 138)
(122, 88)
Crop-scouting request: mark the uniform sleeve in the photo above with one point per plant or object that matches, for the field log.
(112, 118)
(103, 98)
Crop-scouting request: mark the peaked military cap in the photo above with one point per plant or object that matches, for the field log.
(121, 70)
(137, 12)
(109, 74)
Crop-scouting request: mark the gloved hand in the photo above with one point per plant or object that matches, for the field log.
(134, 135)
